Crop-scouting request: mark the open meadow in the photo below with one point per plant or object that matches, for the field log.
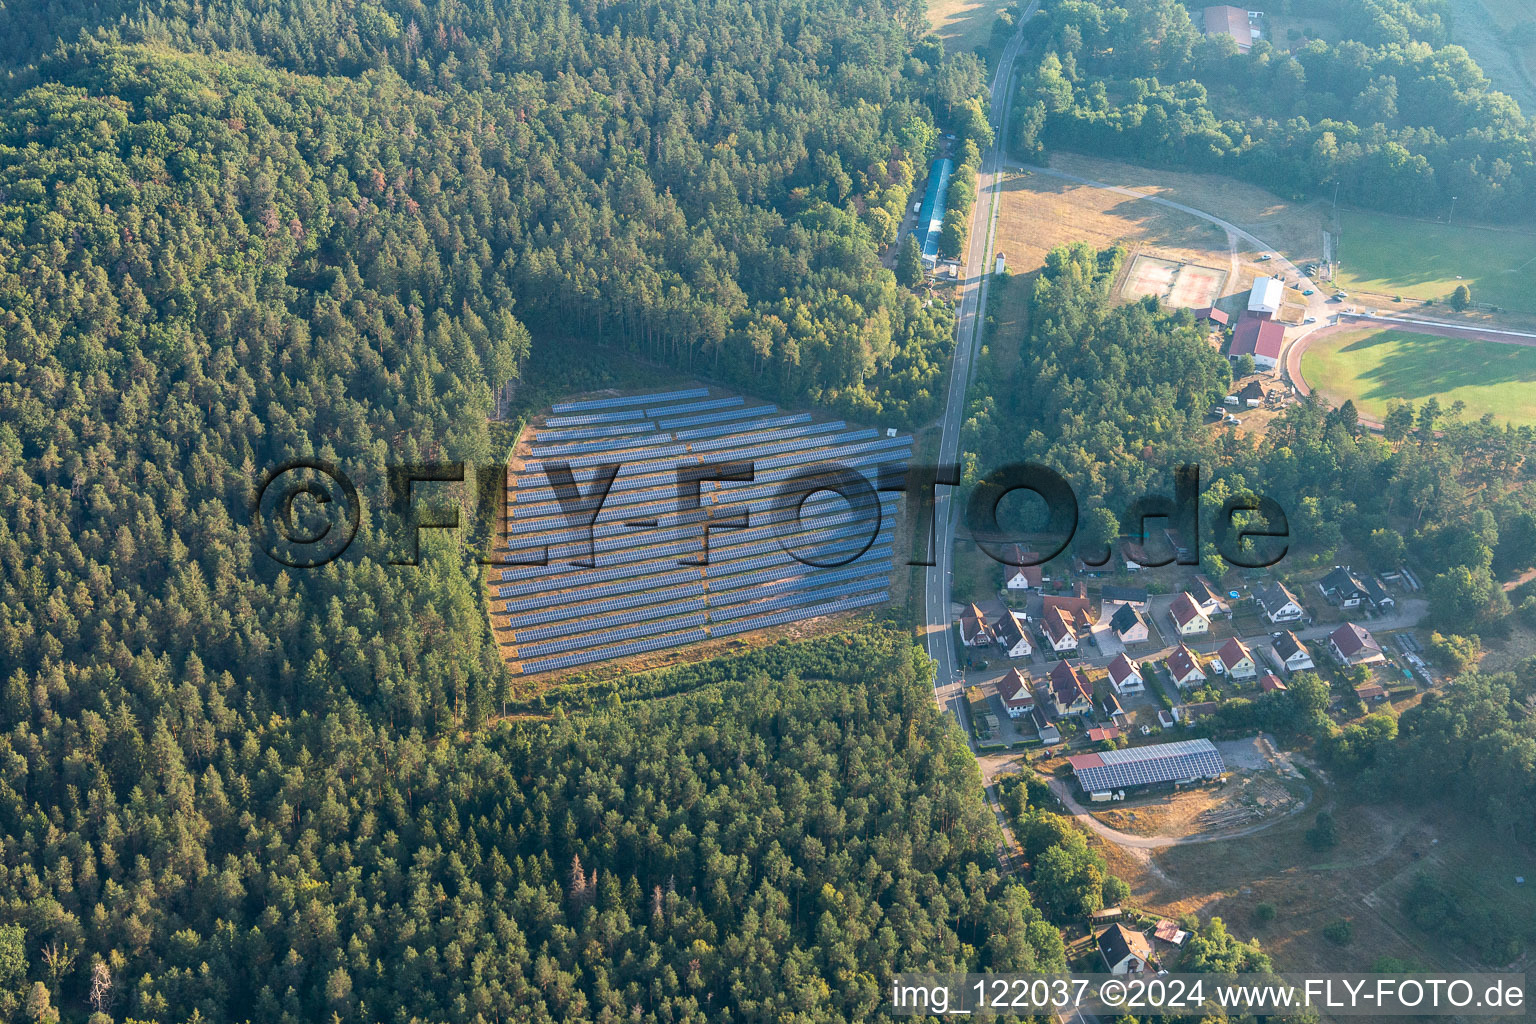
(964, 24)
(1376, 366)
(1418, 259)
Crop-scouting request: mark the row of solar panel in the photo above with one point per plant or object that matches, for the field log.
(796, 598)
(806, 442)
(767, 620)
(751, 435)
(539, 501)
(614, 522)
(722, 416)
(580, 598)
(879, 554)
(823, 509)
(531, 492)
(757, 443)
(587, 657)
(805, 580)
(573, 643)
(724, 546)
(718, 570)
(621, 416)
(720, 430)
(621, 401)
(595, 616)
(615, 444)
(726, 557)
(829, 548)
(548, 435)
(637, 577)
(683, 409)
(628, 625)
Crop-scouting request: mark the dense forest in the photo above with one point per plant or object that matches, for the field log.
(754, 851)
(1115, 398)
(1390, 112)
(237, 233)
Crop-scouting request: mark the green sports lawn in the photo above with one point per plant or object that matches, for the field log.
(1378, 366)
(1419, 259)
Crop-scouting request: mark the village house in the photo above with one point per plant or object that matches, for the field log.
(1184, 668)
(1012, 634)
(1188, 619)
(1291, 654)
(1125, 675)
(1377, 594)
(1343, 588)
(1059, 635)
(973, 627)
(1018, 699)
(1371, 692)
(1115, 597)
(1354, 645)
(1208, 599)
(1023, 577)
(1278, 603)
(1047, 732)
(1070, 692)
(1130, 625)
(1237, 660)
(1124, 951)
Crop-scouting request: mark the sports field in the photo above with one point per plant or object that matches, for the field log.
(1377, 366)
(1421, 260)
(1182, 285)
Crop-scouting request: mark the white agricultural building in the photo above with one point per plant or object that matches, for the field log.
(1266, 295)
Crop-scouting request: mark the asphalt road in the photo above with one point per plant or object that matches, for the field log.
(936, 600)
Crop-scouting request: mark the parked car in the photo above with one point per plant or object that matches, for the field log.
(1266, 256)
(1310, 291)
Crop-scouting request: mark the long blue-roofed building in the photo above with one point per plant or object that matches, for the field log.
(930, 217)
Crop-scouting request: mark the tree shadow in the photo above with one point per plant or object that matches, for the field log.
(1434, 365)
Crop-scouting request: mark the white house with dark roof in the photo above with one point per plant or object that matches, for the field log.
(1058, 631)
(1354, 645)
(1130, 625)
(973, 627)
(1013, 690)
(1124, 951)
(1343, 588)
(1291, 654)
(1278, 603)
(1012, 634)
(1184, 667)
(1208, 599)
(1125, 675)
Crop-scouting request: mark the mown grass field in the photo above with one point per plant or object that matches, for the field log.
(964, 24)
(1377, 366)
(1421, 260)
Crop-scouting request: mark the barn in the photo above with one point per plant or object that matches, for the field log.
(1140, 767)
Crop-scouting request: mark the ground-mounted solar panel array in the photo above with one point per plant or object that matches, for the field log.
(1185, 761)
(649, 584)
